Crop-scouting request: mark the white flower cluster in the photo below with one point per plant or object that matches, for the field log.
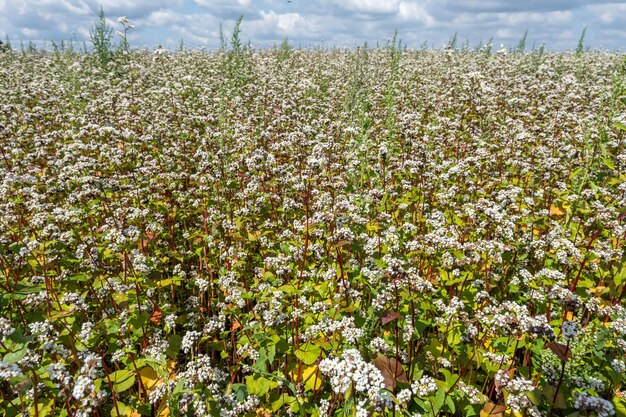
(404, 396)
(233, 408)
(352, 370)
(200, 371)
(569, 329)
(378, 345)
(160, 391)
(246, 350)
(59, 373)
(424, 387)
(189, 340)
(329, 326)
(6, 329)
(84, 390)
(589, 403)
(473, 394)
(618, 365)
(9, 370)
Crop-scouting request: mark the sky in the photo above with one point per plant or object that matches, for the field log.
(326, 23)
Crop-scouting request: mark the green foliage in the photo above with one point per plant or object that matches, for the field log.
(521, 45)
(580, 48)
(285, 50)
(237, 63)
(100, 35)
(5, 46)
(452, 42)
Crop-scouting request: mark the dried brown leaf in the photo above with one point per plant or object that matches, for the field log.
(492, 410)
(563, 352)
(391, 370)
(389, 316)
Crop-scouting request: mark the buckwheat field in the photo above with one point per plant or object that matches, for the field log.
(323, 232)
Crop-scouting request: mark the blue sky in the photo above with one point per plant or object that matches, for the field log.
(346, 23)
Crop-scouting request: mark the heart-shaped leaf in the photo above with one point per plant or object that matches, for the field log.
(389, 316)
(562, 351)
(391, 370)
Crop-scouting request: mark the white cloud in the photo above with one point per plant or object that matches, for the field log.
(163, 18)
(557, 23)
(274, 26)
(528, 18)
(608, 13)
(414, 12)
(228, 8)
(369, 6)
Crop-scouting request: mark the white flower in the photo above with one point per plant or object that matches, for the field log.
(83, 387)
(404, 396)
(600, 406)
(189, 339)
(618, 365)
(424, 387)
(569, 328)
(352, 369)
(6, 328)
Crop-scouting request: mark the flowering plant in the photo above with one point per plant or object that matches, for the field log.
(372, 232)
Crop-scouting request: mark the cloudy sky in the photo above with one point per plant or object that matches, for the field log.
(306, 23)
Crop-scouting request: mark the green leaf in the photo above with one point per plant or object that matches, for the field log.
(173, 345)
(60, 315)
(123, 409)
(620, 406)
(139, 320)
(261, 363)
(22, 291)
(145, 409)
(440, 399)
(609, 163)
(284, 399)
(77, 277)
(122, 380)
(450, 404)
(241, 391)
(16, 354)
(310, 355)
(259, 386)
(619, 125)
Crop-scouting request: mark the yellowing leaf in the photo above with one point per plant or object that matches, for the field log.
(597, 290)
(373, 226)
(555, 211)
(170, 365)
(312, 378)
(263, 412)
(149, 378)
